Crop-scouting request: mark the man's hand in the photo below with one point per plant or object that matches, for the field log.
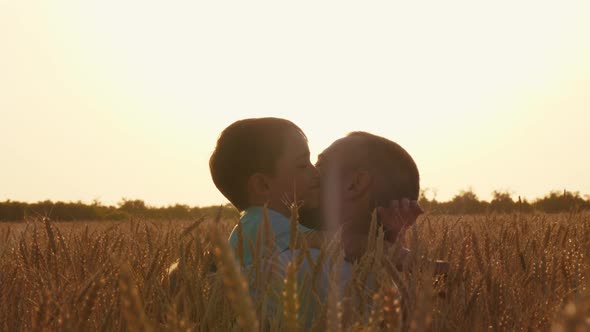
(397, 217)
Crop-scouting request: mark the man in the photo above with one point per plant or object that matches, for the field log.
(363, 172)
(359, 174)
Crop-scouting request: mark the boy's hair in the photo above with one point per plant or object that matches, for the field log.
(244, 148)
(395, 172)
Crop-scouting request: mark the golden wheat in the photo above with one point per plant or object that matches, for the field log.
(507, 272)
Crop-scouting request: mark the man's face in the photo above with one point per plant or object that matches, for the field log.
(337, 165)
(294, 174)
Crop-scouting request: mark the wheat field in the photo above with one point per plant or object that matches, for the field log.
(507, 273)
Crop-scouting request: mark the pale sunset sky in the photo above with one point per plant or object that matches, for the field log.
(111, 99)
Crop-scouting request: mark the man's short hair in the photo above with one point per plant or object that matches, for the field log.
(395, 172)
(244, 148)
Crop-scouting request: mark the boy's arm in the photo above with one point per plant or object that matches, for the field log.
(395, 218)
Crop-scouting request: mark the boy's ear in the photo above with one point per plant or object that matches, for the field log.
(258, 186)
(360, 184)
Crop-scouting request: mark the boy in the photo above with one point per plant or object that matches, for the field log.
(264, 161)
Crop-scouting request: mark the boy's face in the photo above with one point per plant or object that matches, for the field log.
(294, 173)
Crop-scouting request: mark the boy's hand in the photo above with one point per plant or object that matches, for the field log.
(398, 216)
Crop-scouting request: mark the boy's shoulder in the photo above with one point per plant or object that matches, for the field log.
(253, 217)
(251, 220)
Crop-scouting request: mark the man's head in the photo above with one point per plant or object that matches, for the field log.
(264, 160)
(362, 171)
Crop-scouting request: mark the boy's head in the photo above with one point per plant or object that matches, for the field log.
(362, 171)
(264, 160)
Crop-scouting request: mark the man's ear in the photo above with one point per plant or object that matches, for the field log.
(258, 187)
(360, 184)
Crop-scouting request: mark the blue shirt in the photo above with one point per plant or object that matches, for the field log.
(251, 221)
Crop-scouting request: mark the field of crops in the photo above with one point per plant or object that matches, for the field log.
(507, 272)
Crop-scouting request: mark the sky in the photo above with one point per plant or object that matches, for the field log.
(104, 100)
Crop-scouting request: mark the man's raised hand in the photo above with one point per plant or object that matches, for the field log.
(398, 216)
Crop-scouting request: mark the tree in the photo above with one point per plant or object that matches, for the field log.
(428, 204)
(556, 201)
(135, 206)
(466, 202)
(502, 202)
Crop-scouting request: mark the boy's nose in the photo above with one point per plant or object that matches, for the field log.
(315, 178)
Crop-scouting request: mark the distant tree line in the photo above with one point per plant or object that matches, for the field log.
(465, 202)
(76, 211)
